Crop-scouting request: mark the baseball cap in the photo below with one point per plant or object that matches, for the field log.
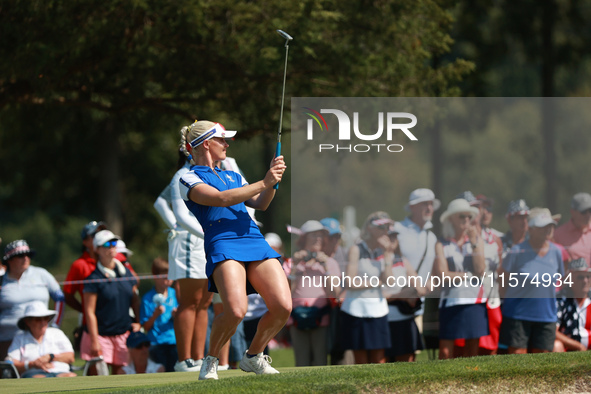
(422, 195)
(332, 225)
(91, 228)
(136, 339)
(517, 207)
(579, 265)
(205, 130)
(103, 236)
(535, 211)
(541, 220)
(17, 248)
(122, 248)
(581, 202)
(312, 225)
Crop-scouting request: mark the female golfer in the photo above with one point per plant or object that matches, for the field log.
(239, 260)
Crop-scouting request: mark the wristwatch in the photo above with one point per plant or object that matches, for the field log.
(51, 357)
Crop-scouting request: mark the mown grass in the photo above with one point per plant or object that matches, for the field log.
(524, 373)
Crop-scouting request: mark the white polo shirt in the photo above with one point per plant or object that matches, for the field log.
(26, 348)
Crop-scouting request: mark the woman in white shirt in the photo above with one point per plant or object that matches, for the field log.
(40, 351)
(364, 313)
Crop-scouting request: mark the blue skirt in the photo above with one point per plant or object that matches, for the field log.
(463, 321)
(244, 248)
(364, 333)
(406, 338)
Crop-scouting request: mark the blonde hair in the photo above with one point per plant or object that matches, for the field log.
(372, 216)
(183, 142)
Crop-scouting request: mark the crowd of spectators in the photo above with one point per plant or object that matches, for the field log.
(524, 290)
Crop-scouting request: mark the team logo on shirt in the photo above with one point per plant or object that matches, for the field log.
(229, 178)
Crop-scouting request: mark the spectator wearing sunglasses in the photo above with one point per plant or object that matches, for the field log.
(460, 255)
(573, 331)
(22, 285)
(575, 235)
(108, 295)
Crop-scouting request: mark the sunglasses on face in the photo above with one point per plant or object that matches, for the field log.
(586, 211)
(583, 277)
(109, 244)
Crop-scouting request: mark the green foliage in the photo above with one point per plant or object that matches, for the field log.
(94, 93)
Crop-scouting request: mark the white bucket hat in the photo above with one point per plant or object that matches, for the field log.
(422, 195)
(35, 309)
(456, 206)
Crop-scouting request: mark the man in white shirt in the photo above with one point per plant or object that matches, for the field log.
(417, 241)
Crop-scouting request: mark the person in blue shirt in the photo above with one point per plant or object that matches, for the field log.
(528, 278)
(157, 310)
(238, 259)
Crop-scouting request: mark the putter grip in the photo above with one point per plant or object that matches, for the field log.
(277, 153)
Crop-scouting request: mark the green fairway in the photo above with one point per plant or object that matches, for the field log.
(523, 373)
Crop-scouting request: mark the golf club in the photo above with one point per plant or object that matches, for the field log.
(288, 38)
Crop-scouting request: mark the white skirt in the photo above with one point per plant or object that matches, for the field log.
(186, 257)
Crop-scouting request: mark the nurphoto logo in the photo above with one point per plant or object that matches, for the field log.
(392, 122)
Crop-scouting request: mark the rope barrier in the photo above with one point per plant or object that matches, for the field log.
(121, 279)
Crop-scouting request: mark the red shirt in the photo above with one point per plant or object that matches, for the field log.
(79, 270)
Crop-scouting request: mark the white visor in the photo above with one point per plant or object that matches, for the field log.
(216, 131)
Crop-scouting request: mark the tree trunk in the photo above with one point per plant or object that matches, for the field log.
(108, 187)
(548, 134)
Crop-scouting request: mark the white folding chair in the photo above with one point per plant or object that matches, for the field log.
(101, 366)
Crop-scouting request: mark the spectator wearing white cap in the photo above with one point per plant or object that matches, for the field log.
(311, 307)
(110, 292)
(364, 313)
(40, 351)
(417, 240)
(573, 330)
(405, 336)
(462, 307)
(575, 235)
(21, 285)
(528, 280)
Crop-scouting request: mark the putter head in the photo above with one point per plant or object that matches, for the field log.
(284, 35)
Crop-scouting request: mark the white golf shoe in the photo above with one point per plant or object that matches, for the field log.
(259, 364)
(209, 368)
